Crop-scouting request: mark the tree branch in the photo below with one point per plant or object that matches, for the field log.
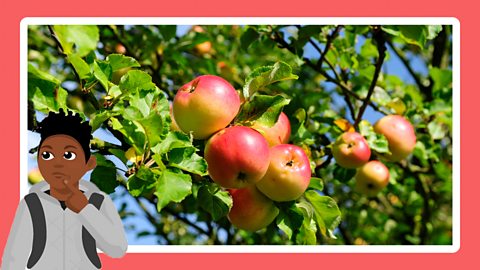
(345, 89)
(186, 221)
(330, 39)
(407, 65)
(379, 37)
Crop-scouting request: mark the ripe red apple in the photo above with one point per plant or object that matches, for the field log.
(278, 133)
(119, 48)
(251, 209)
(237, 156)
(288, 174)
(371, 178)
(205, 105)
(400, 136)
(351, 150)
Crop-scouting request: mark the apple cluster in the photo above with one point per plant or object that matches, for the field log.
(254, 163)
(351, 151)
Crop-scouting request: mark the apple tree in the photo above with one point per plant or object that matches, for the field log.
(260, 134)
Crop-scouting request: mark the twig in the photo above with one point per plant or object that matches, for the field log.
(283, 44)
(346, 97)
(407, 65)
(378, 36)
(330, 39)
(186, 221)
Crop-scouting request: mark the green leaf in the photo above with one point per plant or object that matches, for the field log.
(248, 37)
(168, 31)
(316, 184)
(80, 66)
(38, 74)
(376, 142)
(420, 152)
(300, 134)
(79, 39)
(172, 187)
(437, 130)
(153, 127)
(262, 109)
(104, 175)
(343, 174)
(307, 234)
(173, 140)
(380, 96)
(433, 30)
(369, 50)
(120, 154)
(215, 201)
(327, 213)
(97, 120)
(412, 34)
(44, 91)
(187, 160)
(367, 73)
(289, 220)
(119, 61)
(266, 75)
(133, 133)
(136, 80)
(142, 182)
(100, 75)
(442, 78)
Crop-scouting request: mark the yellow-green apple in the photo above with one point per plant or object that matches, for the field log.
(351, 150)
(204, 47)
(173, 125)
(34, 176)
(237, 156)
(371, 178)
(288, 174)
(278, 133)
(400, 136)
(205, 105)
(251, 209)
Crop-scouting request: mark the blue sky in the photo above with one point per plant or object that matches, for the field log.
(393, 66)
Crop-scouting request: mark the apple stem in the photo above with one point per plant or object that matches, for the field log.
(194, 86)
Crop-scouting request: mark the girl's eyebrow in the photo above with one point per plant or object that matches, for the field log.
(70, 146)
(47, 146)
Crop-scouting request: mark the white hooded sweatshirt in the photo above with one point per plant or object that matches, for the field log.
(64, 248)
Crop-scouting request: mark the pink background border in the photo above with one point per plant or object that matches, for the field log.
(10, 82)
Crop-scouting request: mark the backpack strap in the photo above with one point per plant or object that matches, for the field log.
(89, 245)
(39, 228)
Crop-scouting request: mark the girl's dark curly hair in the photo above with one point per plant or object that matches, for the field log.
(67, 124)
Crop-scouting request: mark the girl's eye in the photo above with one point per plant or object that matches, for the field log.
(47, 155)
(69, 155)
